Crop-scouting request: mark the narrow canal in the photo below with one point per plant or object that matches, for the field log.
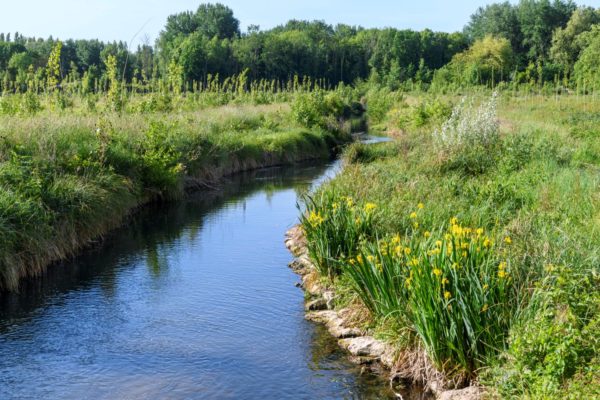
(188, 301)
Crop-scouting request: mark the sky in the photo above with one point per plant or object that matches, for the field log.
(142, 20)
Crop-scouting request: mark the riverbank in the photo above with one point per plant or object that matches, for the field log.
(469, 243)
(67, 180)
(410, 372)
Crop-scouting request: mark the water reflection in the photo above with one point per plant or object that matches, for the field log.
(190, 300)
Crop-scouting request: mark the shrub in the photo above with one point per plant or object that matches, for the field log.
(467, 140)
(557, 337)
(319, 109)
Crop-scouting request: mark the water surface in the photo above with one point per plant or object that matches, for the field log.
(188, 301)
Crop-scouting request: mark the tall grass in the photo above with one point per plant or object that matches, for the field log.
(67, 179)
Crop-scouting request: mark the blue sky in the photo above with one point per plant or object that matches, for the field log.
(121, 19)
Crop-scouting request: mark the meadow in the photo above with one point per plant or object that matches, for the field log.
(472, 238)
(73, 167)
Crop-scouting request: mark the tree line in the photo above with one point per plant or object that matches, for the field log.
(533, 41)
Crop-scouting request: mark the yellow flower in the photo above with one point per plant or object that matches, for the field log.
(480, 231)
(448, 236)
(358, 221)
(335, 206)
(407, 282)
(413, 215)
(454, 221)
(414, 262)
(438, 243)
(416, 225)
(447, 295)
(370, 258)
(427, 234)
(507, 240)
(396, 239)
(407, 250)
(315, 219)
(437, 272)
(359, 259)
(445, 281)
(349, 202)
(351, 261)
(464, 254)
(501, 274)
(484, 308)
(486, 286)
(421, 206)
(370, 207)
(502, 266)
(487, 242)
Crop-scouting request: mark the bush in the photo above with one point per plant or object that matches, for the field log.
(557, 337)
(468, 139)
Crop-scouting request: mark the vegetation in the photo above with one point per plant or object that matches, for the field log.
(67, 178)
(533, 42)
(473, 235)
(481, 244)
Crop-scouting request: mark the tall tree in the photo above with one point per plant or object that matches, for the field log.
(566, 42)
(539, 19)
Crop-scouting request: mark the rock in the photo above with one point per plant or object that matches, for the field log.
(297, 267)
(312, 285)
(334, 324)
(388, 358)
(361, 360)
(364, 346)
(316, 305)
(329, 297)
(469, 393)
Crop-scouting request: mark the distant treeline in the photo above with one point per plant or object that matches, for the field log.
(534, 42)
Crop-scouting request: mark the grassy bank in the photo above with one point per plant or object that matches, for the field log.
(474, 238)
(68, 177)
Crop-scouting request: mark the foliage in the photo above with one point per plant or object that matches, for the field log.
(451, 288)
(468, 139)
(334, 227)
(487, 62)
(557, 338)
(68, 178)
(540, 192)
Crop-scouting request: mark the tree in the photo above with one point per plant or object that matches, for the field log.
(497, 20)
(587, 68)
(217, 20)
(489, 61)
(539, 19)
(53, 71)
(566, 43)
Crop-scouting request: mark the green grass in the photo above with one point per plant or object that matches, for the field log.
(539, 186)
(68, 177)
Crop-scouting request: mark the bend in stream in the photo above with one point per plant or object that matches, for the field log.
(191, 300)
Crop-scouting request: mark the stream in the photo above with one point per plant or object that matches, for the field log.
(192, 300)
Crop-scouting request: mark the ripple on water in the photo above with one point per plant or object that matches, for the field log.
(192, 300)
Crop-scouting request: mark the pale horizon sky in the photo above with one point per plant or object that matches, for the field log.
(110, 20)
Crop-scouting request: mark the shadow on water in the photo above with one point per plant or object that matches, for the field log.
(188, 300)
